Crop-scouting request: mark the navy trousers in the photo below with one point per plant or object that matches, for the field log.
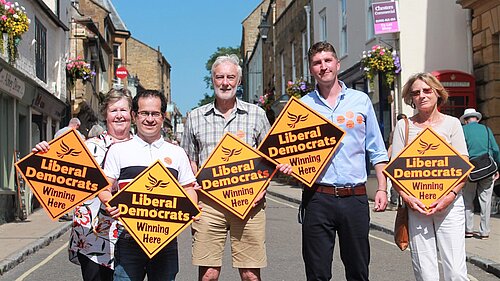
(325, 216)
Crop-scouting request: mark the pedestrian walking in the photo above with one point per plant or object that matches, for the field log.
(74, 123)
(480, 141)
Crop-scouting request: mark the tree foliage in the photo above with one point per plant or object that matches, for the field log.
(220, 52)
(208, 65)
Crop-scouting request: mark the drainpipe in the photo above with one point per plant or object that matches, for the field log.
(308, 44)
(469, 41)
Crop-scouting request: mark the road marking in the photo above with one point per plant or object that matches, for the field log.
(472, 278)
(281, 202)
(46, 260)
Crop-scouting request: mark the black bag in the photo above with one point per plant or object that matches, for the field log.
(484, 166)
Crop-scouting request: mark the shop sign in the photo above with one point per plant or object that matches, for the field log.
(385, 17)
(11, 83)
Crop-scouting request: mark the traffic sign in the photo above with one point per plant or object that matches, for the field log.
(154, 208)
(235, 174)
(121, 72)
(302, 138)
(428, 168)
(63, 177)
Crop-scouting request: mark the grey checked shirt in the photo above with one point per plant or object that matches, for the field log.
(205, 127)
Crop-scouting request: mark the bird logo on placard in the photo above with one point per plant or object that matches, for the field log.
(295, 119)
(426, 146)
(229, 152)
(155, 183)
(66, 150)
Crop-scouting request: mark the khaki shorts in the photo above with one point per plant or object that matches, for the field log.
(248, 237)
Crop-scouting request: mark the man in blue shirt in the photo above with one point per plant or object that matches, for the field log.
(337, 203)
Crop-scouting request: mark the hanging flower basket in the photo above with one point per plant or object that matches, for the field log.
(266, 100)
(380, 60)
(78, 69)
(14, 23)
(299, 88)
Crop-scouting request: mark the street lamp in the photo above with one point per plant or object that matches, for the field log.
(263, 27)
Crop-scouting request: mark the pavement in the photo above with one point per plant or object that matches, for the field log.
(21, 238)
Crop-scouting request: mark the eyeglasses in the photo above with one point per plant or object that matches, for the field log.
(145, 114)
(426, 91)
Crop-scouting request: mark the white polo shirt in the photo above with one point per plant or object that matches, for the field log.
(126, 160)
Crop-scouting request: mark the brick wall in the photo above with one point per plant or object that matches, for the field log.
(143, 62)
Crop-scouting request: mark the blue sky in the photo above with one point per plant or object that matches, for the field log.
(187, 32)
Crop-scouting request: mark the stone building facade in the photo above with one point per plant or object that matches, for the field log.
(486, 58)
(152, 71)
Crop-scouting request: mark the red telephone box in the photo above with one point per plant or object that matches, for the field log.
(461, 89)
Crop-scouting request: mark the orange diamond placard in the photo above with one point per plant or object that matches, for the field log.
(154, 208)
(235, 174)
(428, 168)
(65, 176)
(302, 138)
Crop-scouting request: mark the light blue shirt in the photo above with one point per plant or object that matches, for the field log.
(353, 112)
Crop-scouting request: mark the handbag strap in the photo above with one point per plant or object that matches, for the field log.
(407, 132)
(488, 137)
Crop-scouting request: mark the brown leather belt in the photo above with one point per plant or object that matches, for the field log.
(340, 191)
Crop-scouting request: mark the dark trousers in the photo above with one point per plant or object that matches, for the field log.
(323, 217)
(132, 264)
(92, 271)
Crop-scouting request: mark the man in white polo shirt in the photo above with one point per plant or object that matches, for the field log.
(128, 159)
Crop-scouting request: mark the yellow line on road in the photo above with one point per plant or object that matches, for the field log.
(472, 278)
(46, 260)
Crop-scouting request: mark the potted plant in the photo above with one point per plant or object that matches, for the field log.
(13, 23)
(299, 88)
(380, 60)
(266, 102)
(78, 69)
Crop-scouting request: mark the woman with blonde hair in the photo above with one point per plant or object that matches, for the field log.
(440, 228)
(93, 232)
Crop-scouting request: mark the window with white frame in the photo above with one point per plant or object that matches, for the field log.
(343, 27)
(40, 50)
(370, 29)
(322, 25)
(305, 61)
(294, 72)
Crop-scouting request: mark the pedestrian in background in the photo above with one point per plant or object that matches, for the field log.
(92, 236)
(442, 226)
(74, 123)
(205, 127)
(95, 131)
(125, 161)
(392, 194)
(337, 203)
(480, 140)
